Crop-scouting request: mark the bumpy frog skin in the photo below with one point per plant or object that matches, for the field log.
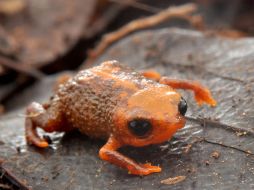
(116, 103)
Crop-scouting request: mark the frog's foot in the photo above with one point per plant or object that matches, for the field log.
(33, 111)
(108, 152)
(150, 74)
(202, 94)
(144, 169)
(32, 137)
(38, 116)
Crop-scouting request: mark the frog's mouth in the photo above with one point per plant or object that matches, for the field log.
(166, 131)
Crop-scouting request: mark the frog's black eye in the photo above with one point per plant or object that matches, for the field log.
(139, 127)
(182, 106)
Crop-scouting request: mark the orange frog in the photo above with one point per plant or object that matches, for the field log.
(114, 102)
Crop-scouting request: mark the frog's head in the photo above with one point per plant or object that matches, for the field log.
(151, 116)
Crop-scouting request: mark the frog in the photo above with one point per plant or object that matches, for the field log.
(115, 103)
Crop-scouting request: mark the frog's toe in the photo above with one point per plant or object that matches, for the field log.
(31, 135)
(146, 169)
(152, 169)
(205, 97)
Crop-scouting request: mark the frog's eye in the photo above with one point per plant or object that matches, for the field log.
(140, 127)
(182, 106)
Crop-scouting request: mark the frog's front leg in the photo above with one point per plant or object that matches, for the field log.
(109, 153)
(202, 94)
(47, 118)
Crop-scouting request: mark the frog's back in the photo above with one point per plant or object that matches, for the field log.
(89, 99)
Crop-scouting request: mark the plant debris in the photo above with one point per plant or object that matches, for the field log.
(173, 180)
(215, 155)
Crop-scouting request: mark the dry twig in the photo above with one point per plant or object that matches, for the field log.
(21, 67)
(183, 11)
(138, 5)
(4, 186)
(17, 183)
(248, 152)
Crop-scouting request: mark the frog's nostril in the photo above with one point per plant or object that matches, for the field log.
(182, 106)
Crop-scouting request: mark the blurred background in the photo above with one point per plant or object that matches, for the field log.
(39, 38)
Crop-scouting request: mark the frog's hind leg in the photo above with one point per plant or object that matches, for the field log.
(47, 118)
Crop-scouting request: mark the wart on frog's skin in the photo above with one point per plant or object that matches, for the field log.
(113, 102)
